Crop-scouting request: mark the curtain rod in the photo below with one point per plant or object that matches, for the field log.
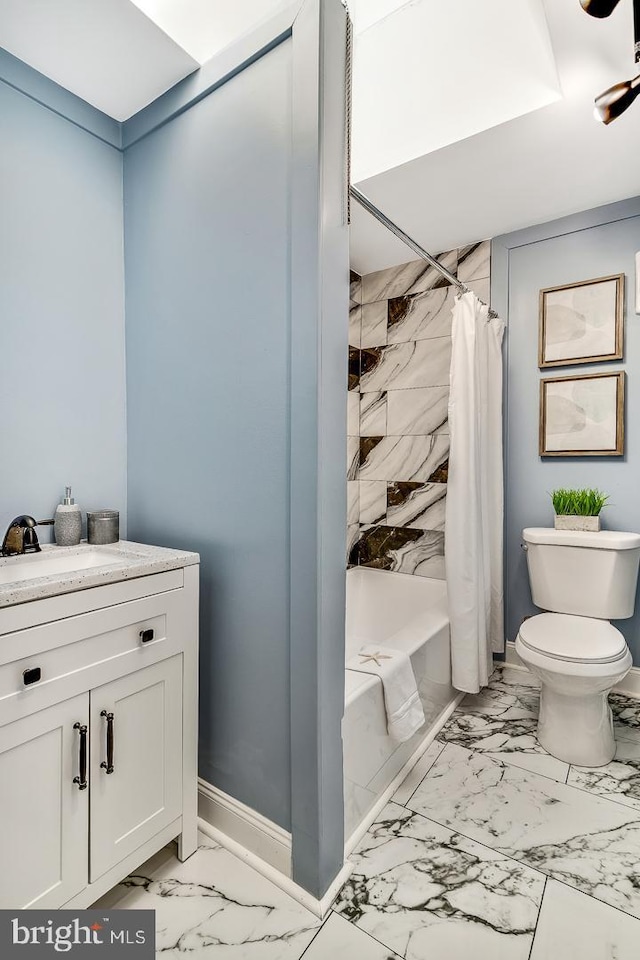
(401, 235)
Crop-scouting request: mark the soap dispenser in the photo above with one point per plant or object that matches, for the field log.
(67, 525)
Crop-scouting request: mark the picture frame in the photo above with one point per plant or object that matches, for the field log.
(582, 416)
(581, 322)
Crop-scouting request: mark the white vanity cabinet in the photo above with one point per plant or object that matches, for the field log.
(98, 731)
(135, 761)
(45, 818)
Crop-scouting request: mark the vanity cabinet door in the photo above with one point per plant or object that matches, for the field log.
(43, 814)
(136, 761)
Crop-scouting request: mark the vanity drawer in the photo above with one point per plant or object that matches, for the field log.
(49, 663)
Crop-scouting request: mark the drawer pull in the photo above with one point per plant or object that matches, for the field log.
(34, 675)
(82, 779)
(146, 636)
(108, 766)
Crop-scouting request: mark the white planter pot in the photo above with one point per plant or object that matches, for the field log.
(564, 522)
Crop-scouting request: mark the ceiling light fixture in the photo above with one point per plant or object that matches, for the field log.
(614, 101)
(599, 8)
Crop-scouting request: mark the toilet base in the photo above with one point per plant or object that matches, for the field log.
(576, 729)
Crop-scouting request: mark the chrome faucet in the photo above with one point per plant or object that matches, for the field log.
(21, 536)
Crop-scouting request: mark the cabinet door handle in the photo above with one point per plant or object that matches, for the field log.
(108, 766)
(146, 636)
(82, 779)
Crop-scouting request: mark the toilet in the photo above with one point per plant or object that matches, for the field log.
(585, 580)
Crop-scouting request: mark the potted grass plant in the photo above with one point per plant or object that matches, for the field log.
(578, 509)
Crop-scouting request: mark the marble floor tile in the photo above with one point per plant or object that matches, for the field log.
(374, 324)
(513, 681)
(425, 891)
(510, 681)
(626, 716)
(504, 729)
(417, 411)
(585, 841)
(618, 780)
(421, 316)
(420, 363)
(340, 940)
(500, 694)
(509, 676)
(574, 925)
(216, 906)
(418, 772)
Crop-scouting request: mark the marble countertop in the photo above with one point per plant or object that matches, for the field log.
(123, 560)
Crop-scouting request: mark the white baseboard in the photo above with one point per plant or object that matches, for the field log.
(630, 685)
(266, 847)
(246, 827)
(511, 658)
(352, 841)
(319, 908)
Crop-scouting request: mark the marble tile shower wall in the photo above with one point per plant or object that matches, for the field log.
(398, 434)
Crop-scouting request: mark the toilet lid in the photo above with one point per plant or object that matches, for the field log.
(580, 639)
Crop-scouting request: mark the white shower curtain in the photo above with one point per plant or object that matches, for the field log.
(474, 505)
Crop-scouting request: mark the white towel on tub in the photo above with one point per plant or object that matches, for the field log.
(401, 698)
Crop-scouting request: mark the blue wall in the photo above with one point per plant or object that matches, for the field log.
(62, 381)
(593, 244)
(236, 257)
(236, 254)
(207, 262)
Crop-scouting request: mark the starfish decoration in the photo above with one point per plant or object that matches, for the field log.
(373, 658)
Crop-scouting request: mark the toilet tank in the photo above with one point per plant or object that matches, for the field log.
(586, 574)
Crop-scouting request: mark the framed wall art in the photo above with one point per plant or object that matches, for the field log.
(582, 322)
(582, 416)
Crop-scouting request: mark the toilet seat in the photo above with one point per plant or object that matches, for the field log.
(573, 639)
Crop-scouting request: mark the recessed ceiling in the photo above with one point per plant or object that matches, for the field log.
(430, 74)
(105, 51)
(549, 163)
(444, 177)
(204, 27)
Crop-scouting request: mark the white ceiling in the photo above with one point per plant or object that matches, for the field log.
(432, 73)
(105, 51)
(204, 27)
(546, 164)
(459, 143)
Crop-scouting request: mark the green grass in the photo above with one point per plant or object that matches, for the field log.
(578, 503)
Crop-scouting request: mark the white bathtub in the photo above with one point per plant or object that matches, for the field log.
(407, 613)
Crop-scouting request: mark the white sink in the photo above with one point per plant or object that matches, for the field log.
(31, 566)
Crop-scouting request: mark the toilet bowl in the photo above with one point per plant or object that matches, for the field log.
(584, 579)
(577, 660)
